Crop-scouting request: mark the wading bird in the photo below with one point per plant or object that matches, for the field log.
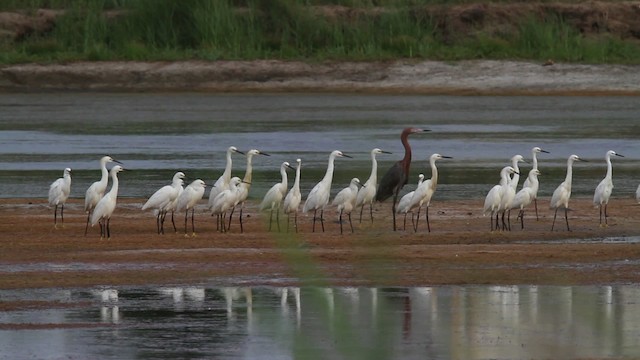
(163, 200)
(293, 199)
(224, 201)
(405, 202)
(398, 175)
(603, 191)
(345, 201)
(534, 185)
(525, 196)
(367, 193)
(318, 197)
(188, 200)
(95, 192)
(245, 185)
(105, 207)
(59, 191)
(560, 197)
(493, 202)
(273, 198)
(425, 191)
(222, 183)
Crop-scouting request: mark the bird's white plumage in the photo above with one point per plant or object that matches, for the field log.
(222, 183)
(191, 195)
(318, 197)
(96, 191)
(367, 193)
(605, 187)
(273, 198)
(405, 202)
(60, 189)
(515, 178)
(165, 198)
(525, 196)
(345, 199)
(226, 199)
(561, 195)
(493, 201)
(294, 197)
(107, 205)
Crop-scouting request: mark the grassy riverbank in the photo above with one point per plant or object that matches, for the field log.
(317, 30)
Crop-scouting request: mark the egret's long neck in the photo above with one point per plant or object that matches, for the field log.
(114, 189)
(283, 173)
(374, 170)
(328, 176)
(296, 182)
(534, 155)
(105, 174)
(569, 176)
(434, 174)
(609, 168)
(516, 175)
(505, 178)
(227, 169)
(248, 172)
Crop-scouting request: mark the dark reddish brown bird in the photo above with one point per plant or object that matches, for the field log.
(398, 175)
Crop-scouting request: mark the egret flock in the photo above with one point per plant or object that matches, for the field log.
(229, 193)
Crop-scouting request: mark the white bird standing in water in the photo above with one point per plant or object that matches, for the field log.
(525, 196)
(273, 198)
(223, 181)
(425, 191)
(367, 193)
(225, 201)
(245, 185)
(59, 192)
(293, 199)
(605, 187)
(560, 197)
(95, 192)
(163, 200)
(318, 197)
(188, 200)
(405, 203)
(345, 201)
(105, 207)
(493, 202)
(534, 184)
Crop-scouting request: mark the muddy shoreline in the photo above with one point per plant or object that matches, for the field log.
(475, 77)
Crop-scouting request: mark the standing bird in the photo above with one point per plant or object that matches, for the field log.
(493, 202)
(405, 202)
(318, 197)
(293, 198)
(163, 200)
(95, 192)
(59, 191)
(603, 191)
(105, 207)
(222, 183)
(367, 192)
(273, 197)
(560, 197)
(534, 184)
(224, 201)
(245, 185)
(345, 200)
(398, 175)
(425, 191)
(525, 196)
(188, 200)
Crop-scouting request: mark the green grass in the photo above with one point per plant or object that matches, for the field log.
(290, 30)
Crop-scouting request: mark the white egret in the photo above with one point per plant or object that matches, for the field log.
(293, 199)
(222, 183)
(367, 193)
(318, 197)
(225, 201)
(560, 197)
(345, 200)
(516, 175)
(638, 194)
(163, 200)
(59, 191)
(425, 191)
(534, 184)
(95, 192)
(273, 198)
(188, 200)
(245, 185)
(405, 202)
(105, 207)
(603, 191)
(525, 196)
(493, 201)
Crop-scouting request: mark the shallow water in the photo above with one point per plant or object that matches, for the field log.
(471, 322)
(158, 134)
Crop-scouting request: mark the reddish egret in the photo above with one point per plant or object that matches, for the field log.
(534, 184)
(367, 193)
(424, 192)
(405, 202)
(105, 207)
(493, 203)
(318, 197)
(525, 196)
(345, 200)
(245, 185)
(188, 200)
(293, 198)
(273, 197)
(95, 192)
(398, 175)
(603, 191)
(162, 200)
(560, 197)
(58, 194)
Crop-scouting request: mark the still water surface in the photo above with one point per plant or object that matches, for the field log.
(158, 134)
(448, 322)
